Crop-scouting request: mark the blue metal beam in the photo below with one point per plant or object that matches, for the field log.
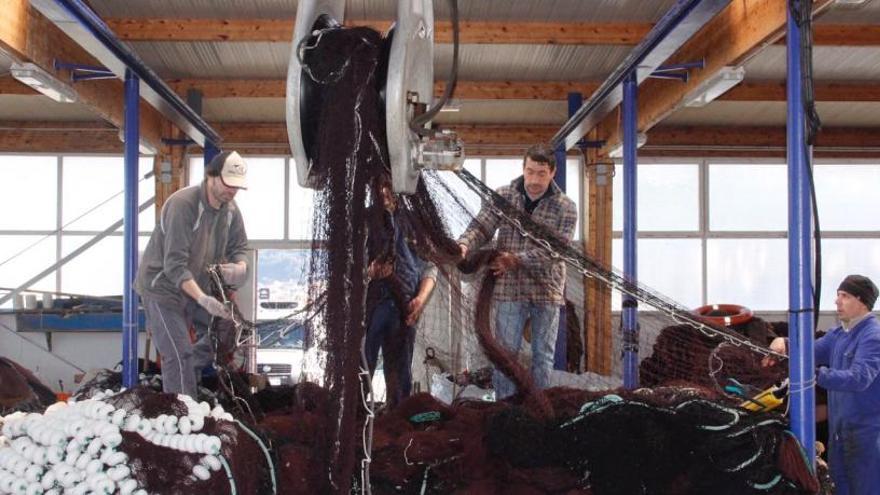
(130, 232)
(800, 262)
(85, 27)
(681, 22)
(560, 355)
(629, 313)
(83, 322)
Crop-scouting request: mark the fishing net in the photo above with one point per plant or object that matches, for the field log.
(684, 431)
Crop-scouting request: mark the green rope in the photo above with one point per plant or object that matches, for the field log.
(265, 452)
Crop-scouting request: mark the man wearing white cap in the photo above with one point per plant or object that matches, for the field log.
(198, 226)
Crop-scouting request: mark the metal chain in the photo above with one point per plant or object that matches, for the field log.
(580, 263)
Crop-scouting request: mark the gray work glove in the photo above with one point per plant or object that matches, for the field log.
(213, 306)
(234, 273)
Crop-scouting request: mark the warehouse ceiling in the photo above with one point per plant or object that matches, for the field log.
(518, 61)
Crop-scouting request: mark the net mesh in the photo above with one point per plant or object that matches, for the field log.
(455, 343)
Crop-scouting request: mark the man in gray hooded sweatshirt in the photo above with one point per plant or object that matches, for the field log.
(198, 226)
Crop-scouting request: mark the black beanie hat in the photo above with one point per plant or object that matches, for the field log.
(861, 287)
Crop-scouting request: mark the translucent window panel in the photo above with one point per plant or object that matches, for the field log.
(262, 203)
(744, 197)
(93, 192)
(475, 167)
(196, 170)
(842, 257)
(847, 196)
(672, 267)
(302, 201)
(81, 276)
(573, 184)
(282, 281)
(29, 192)
(668, 198)
(500, 172)
(33, 260)
(750, 272)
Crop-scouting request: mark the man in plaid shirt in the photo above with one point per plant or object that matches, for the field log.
(530, 286)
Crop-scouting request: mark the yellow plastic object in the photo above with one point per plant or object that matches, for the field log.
(767, 400)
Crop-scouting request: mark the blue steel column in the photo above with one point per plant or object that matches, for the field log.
(560, 356)
(800, 285)
(130, 232)
(630, 316)
(210, 152)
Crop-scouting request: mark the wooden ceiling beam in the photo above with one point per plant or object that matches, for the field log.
(271, 138)
(846, 34)
(58, 137)
(507, 90)
(730, 38)
(9, 86)
(27, 36)
(272, 133)
(824, 91)
(469, 90)
(470, 32)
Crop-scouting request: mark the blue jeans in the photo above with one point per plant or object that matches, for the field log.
(396, 340)
(510, 320)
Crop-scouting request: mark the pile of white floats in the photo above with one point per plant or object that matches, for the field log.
(74, 447)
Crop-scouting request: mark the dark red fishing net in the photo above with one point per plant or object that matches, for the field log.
(539, 441)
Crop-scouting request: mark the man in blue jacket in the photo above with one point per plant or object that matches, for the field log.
(848, 358)
(401, 283)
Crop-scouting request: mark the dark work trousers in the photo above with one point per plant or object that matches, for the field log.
(387, 332)
(182, 360)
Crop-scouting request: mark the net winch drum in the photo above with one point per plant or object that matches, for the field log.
(408, 92)
(724, 314)
(303, 95)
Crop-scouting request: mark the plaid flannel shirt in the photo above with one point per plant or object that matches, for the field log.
(537, 279)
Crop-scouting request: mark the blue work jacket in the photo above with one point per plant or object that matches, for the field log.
(849, 364)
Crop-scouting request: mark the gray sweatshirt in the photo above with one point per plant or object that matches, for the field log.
(190, 236)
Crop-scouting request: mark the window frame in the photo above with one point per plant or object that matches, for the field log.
(705, 234)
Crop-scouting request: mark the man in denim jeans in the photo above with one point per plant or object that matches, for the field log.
(530, 286)
(400, 285)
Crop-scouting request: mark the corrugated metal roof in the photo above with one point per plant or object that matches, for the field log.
(243, 110)
(524, 112)
(247, 60)
(732, 113)
(532, 10)
(39, 107)
(476, 62)
(869, 13)
(831, 63)
(530, 62)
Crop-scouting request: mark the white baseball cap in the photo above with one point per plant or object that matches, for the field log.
(233, 169)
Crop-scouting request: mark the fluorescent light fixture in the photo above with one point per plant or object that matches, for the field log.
(617, 151)
(852, 3)
(40, 80)
(715, 86)
(144, 147)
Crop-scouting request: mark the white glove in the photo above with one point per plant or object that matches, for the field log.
(234, 273)
(213, 306)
